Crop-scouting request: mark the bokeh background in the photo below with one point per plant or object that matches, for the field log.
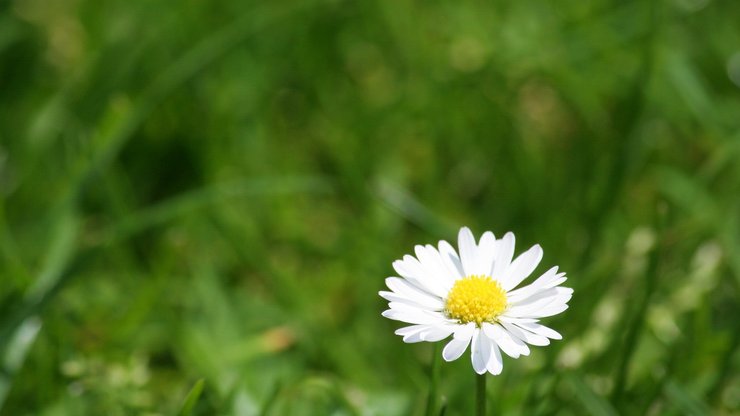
(216, 190)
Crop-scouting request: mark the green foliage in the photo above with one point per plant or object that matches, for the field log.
(216, 190)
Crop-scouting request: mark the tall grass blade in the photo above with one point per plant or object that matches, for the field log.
(192, 398)
(593, 403)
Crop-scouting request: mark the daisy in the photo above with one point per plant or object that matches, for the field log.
(473, 296)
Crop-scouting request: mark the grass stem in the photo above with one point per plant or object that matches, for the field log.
(480, 394)
(433, 381)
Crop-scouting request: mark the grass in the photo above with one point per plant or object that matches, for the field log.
(216, 192)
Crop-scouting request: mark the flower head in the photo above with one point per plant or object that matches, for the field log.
(473, 296)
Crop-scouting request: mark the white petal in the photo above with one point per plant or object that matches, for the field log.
(526, 336)
(411, 337)
(480, 351)
(433, 305)
(550, 278)
(432, 264)
(437, 333)
(522, 267)
(455, 348)
(410, 329)
(411, 269)
(450, 258)
(405, 287)
(429, 333)
(402, 307)
(551, 310)
(512, 346)
(541, 304)
(512, 320)
(416, 317)
(422, 314)
(409, 274)
(468, 250)
(495, 364)
(483, 264)
(538, 297)
(408, 290)
(504, 253)
(541, 330)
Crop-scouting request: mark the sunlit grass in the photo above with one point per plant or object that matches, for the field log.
(217, 191)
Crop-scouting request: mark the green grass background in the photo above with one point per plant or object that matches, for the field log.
(216, 190)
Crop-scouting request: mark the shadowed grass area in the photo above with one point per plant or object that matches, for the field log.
(193, 191)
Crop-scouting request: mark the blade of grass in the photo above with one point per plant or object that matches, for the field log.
(271, 399)
(58, 256)
(192, 398)
(638, 319)
(15, 353)
(409, 207)
(433, 381)
(196, 199)
(60, 251)
(592, 402)
(684, 400)
(443, 406)
(16, 268)
(121, 127)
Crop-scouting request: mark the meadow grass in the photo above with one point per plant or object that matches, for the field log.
(199, 201)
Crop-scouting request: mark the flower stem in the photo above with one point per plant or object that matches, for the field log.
(433, 382)
(480, 394)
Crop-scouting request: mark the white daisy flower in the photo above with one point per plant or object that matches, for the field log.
(474, 298)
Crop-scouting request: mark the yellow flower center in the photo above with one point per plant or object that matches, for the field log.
(475, 299)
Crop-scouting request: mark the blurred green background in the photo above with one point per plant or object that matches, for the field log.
(216, 190)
